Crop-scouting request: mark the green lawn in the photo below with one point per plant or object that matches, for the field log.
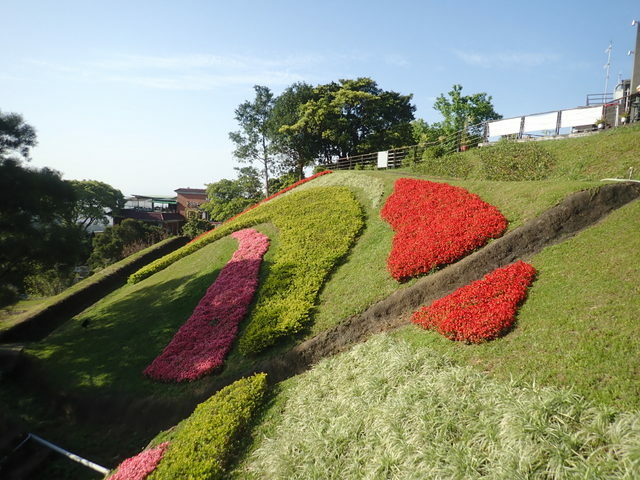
(579, 326)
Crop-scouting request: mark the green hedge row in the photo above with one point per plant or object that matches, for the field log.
(317, 228)
(200, 447)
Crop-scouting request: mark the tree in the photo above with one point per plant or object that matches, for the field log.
(96, 201)
(16, 137)
(299, 147)
(253, 140)
(34, 236)
(355, 116)
(464, 114)
(196, 226)
(227, 198)
(122, 240)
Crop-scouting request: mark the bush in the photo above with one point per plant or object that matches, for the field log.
(436, 162)
(201, 446)
(436, 224)
(317, 227)
(195, 226)
(516, 161)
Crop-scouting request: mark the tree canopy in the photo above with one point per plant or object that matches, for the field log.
(464, 112)
(16, 137)
(227, 198)
(95, 202)
(33, 234)
(350, 117)
(253, 140)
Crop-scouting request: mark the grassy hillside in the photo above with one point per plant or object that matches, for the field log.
(576, 336)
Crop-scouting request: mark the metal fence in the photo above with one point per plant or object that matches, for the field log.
(557, 123)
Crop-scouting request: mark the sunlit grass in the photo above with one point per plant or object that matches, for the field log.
(388, 410)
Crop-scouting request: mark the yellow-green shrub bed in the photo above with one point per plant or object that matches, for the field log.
(317, 228)
(200, 447)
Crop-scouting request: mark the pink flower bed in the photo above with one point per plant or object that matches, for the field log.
(483, 310)
(436, 224)
(140, 466)
(290, 187)
(202, 343)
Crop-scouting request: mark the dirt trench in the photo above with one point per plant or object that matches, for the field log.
(575, 213)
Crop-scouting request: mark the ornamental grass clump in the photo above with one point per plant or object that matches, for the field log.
(389, 410)
(202, 343)
(201, 447)
(483, 310)
(436, 224)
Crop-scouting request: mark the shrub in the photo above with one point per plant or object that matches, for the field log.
(452, 165)
(317, 227)
(202, 343)
(201, 446)
(516, 161)
(140, 466)
(483, 310)
(211, 236)
(436, 224)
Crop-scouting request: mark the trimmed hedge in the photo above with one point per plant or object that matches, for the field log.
(201, 446)
(317, 228)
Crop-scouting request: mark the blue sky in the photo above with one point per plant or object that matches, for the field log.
(141, 94)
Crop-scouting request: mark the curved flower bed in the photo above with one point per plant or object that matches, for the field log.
(140, 466)
(211, 236)
(483, 310)
(202, 343)
(272, 196)
(436, 224)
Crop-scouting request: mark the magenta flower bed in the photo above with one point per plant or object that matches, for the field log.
(202, 343)
(140, 466)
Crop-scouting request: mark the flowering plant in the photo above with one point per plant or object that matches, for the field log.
(272, 196)
(483, 310)
(140, 466)
(436, 224)
(202, 343)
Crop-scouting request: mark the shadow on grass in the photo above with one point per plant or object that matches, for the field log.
(106, 348)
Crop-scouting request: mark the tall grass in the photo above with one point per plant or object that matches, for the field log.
(387, 410)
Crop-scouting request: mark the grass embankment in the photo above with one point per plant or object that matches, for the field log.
(607, 154)
(130, 327)
(387, 409)
(579, 326)
(24, 309)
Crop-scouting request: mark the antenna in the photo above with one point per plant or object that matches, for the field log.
(607, 67)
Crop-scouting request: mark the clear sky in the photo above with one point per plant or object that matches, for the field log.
(141, 94)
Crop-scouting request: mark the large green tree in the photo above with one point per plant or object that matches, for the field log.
(355, 116)
(300, 147)
(227, 198)
(34, 236)
(464, 114)
(122, 240)
(253, 140)
(95, 202)
(16, 137)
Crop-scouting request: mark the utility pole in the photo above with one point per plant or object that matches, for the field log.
(635, 73)
(607, 68)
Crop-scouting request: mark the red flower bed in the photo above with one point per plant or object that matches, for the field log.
(140, 466)
(483, 310)
(290, 187)
(436, 224)
(202, 343)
